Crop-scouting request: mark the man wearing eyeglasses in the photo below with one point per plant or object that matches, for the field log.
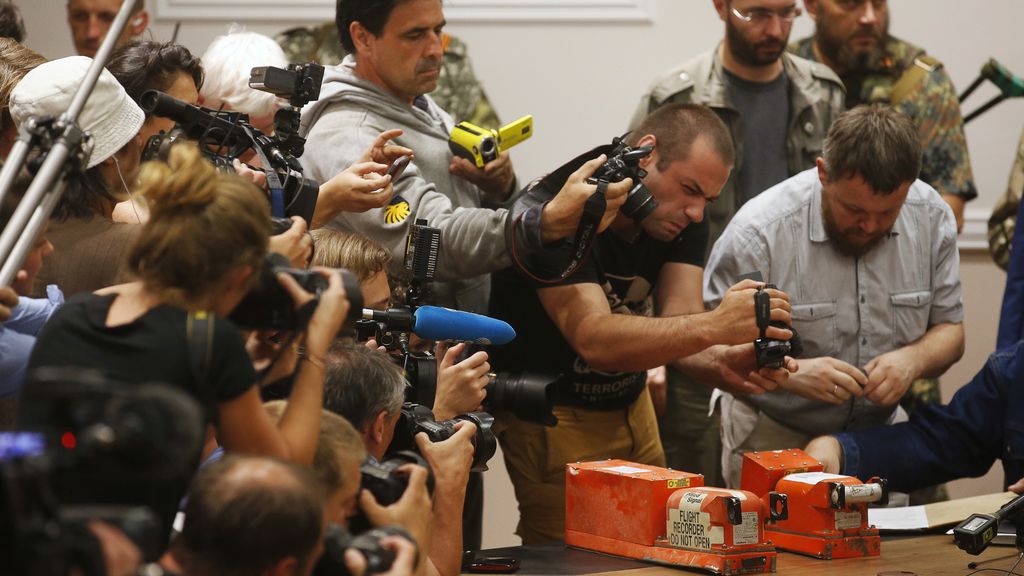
(852, 37)
(778, 108)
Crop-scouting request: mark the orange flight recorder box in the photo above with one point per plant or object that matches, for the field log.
(668, 517)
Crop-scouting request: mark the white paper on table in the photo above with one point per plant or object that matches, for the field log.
(905, 518)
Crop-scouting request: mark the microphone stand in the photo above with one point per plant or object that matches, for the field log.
(58, 141)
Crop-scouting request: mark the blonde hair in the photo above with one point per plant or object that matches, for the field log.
(338, 439)
(15, 61)
(359, 254)
(203, 223)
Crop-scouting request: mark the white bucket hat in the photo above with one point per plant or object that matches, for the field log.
(110, 116)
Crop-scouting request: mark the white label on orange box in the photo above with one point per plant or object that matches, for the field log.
(624, 469)
(689, 527)
(746, 531)
(813, 477)
(847, 520)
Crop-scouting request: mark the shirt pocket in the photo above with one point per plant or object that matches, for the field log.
(910, 312)
(815, 323)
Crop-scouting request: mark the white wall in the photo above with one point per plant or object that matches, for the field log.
(582, 80)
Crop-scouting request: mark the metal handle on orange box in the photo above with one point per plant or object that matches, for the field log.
(844, 494)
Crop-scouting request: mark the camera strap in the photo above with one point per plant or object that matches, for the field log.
(274, 183)
(762, 310)
(546, 188)
(199, 336)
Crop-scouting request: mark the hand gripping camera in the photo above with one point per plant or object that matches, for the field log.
(624, 162)
(769, 352)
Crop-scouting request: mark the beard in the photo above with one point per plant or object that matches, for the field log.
(845, 241)
(762, 53)
(837, 50)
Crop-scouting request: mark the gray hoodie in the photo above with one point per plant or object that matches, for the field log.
(338, 127)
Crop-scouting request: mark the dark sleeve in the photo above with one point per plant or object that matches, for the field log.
(691, 244)
(231, 370)
(942, 443)
(546, 266)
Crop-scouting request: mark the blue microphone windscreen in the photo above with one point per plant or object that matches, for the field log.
(435, 323)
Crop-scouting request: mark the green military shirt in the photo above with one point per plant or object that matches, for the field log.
(931, 101)
(458, 91)
(1004, 216)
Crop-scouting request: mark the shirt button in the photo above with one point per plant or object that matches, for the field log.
(684, 76)
(809, 128)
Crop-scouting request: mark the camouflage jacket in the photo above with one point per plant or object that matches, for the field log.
(816, 100)
(458, 89)
(932, 104)
(1004, 216)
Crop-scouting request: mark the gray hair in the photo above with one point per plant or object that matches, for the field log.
(360, 383)
(877, 143)
(228, 61)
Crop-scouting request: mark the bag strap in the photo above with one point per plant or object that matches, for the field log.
(199, 335)
(911, 79)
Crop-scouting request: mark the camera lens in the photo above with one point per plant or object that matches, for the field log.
(639, 203)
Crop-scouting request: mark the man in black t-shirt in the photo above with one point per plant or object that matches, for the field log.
(595, 330)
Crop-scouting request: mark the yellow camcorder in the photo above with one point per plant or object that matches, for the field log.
(480, 145)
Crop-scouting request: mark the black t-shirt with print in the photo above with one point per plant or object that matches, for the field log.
(627, 271)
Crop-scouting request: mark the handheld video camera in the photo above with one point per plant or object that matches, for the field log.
(480, 145)
(624, 162)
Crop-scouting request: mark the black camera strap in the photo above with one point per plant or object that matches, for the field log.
(762, 310)
(590, 221)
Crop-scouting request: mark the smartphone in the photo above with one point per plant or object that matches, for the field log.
(493, 565)
(398, 166)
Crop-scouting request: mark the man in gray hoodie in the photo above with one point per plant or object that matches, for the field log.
(395, 56)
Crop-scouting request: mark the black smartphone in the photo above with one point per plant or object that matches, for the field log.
(398, 166)
(492, 565)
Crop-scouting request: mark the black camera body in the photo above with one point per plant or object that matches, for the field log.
(624, 162)
(268, 306)
(337, 539)
(528, 395)
(416, 418)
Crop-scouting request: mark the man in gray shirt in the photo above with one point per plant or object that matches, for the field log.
(868, 256)
(778, 108)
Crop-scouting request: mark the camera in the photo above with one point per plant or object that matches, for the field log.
(224, 136)
(387, 482)
(480, 145)
(416, 418)
(769, 352)
(624, 162)
(528, 395)
(338, 539)
(299, 83)
(268, 306)
(93, 449)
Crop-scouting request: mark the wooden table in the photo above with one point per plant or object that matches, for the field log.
(931, 555)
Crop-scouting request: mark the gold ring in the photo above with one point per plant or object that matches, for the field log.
(835, 389)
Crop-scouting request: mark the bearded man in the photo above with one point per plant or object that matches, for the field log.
(867, 253)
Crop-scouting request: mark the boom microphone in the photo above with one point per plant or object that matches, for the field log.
(436, 323)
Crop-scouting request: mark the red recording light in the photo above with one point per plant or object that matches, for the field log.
(68, 441)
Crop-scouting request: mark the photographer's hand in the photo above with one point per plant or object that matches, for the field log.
(358, 188)
(828, 451)
(411, 511)
(329, 315)
(405, 558)
(658, 386)
(496, 179)
(450, 461)
(460, 385)
(257, 177)
(294, 243)
(8, 300)
(382, 151)
(827, 379)
(735, 370)
(562, 213)
(734, 318)
(121, 556)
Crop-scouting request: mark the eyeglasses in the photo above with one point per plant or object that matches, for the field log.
(851, 5)
(758, 16)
